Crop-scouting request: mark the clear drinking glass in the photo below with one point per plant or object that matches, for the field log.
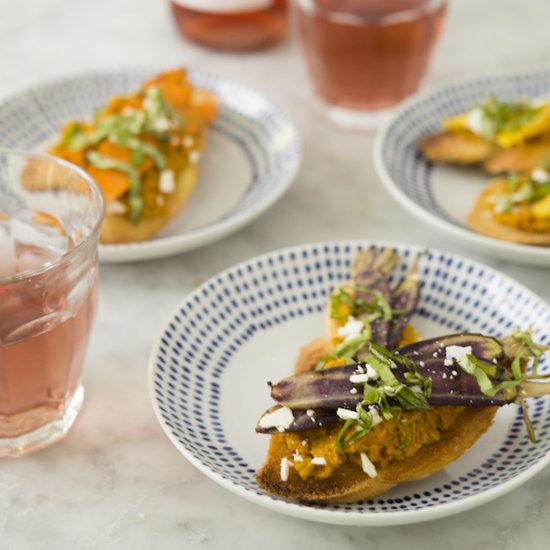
(50, 216)
(365, 56)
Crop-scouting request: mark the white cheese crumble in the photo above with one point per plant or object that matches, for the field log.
(359, 378)
(167, 182)
(367, 374)
(310, 412)
(161, 124)
(475, 121)
(188, 141)
(297, 457)
(116, 208)
(540, 175)
(368, 466)
(456, 353)
(346, 414)
(281, 419)
(285, 468)
(353, 390)
(194, 156)
(351, 329)
(319, 461)
(376, 418)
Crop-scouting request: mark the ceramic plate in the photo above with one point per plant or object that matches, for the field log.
(440, 195)
(251, 158)
(209, 369)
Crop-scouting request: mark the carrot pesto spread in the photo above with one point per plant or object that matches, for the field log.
(138, 144)
(393, 440)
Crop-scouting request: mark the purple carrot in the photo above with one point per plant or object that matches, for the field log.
(425, 365)
(369, 276)
(405, 299)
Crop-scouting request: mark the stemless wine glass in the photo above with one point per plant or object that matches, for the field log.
(365, 56)
(50, 216)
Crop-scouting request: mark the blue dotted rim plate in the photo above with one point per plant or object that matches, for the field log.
(440, 196)
(266, 138)
(243, 327)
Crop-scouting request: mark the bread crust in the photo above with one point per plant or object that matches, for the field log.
(458, 147)
(117, 228)
(348, 483)
(521, 158)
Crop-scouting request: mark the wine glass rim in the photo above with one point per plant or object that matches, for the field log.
(98, 204)
(395, 17)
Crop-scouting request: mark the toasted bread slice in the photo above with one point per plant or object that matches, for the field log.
(349, 483)
(481, 220)
(457, 147)
(118, 228)
(522, 158)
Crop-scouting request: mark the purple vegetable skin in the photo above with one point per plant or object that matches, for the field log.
(323, 392)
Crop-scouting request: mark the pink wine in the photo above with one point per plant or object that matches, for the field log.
(45, 322)
(368, 54)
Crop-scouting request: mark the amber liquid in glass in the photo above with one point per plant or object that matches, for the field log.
(367, 54)
(234, 31)
(44, 329)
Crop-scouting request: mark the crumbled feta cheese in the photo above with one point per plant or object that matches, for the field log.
(161, 124)
(351, 329)
(194, 156)
(285, 467)
(540, 175)
(421, 363)
(362, 378)
(347, 414)
(359, 378)
(281, 419)
(371, 372)
(310, 412)
(319, 461)
(454, 373)
(304, 442)
(475, 121)
(456, 353)
(116, 208)
(368, 466)
(188, 141)
(353, 390)
(167, 182)
(297, 457)
(444, 375)
(376, 418)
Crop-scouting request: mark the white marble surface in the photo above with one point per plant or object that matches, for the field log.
(116, 481)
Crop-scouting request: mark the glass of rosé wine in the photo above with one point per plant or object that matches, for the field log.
(50, 216)
(365, 56)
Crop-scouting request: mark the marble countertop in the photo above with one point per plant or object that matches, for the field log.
(116, 481)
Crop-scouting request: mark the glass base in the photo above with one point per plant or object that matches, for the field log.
(47, 434)
(354, 119)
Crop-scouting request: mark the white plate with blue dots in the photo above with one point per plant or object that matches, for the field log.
(441, 196)
(250, 159)
(209, 368)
